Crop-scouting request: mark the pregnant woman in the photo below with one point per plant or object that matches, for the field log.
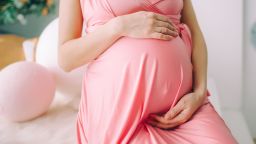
(145, 81)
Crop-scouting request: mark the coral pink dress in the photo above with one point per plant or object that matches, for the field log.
(136, 77)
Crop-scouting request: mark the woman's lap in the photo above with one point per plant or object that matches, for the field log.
(205, 126)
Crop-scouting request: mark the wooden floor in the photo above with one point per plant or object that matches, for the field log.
(10, 49)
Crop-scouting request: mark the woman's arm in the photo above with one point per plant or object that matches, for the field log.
(199, 49)
(190, 102)
(74, 50)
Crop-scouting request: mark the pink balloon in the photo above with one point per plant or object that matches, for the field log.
(26, 91)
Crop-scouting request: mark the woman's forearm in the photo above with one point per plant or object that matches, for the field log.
(199, 60)
(199, 49)
(77, 52)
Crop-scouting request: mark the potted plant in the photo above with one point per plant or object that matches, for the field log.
(12, 11)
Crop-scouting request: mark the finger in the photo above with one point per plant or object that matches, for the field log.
(157, 118)
(166, 31)
(180, 118)
(165, 24)
(160, 125)
(163, 18)
(162, 36)
(175, 110)
(172, 113)
(161, 122)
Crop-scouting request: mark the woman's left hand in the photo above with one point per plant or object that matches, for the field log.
(179, 114)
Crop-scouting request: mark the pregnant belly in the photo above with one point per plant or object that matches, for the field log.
(167, 53)
(162, 70)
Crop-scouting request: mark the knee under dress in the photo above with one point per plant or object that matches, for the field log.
(136, 77)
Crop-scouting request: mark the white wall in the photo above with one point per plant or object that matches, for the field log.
(222, 23)
(249, 97)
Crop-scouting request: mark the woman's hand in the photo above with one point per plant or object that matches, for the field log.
(179, 114)
(144, 24)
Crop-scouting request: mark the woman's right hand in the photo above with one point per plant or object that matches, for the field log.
(145, 24)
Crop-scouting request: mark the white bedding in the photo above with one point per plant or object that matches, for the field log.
(57, 126)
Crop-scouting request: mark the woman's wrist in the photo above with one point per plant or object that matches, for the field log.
(200, 94)
(115, 26)
(200, 87)
(201, 91)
